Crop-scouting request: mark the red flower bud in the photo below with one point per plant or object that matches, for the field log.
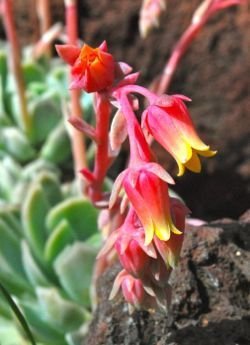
(93, 69)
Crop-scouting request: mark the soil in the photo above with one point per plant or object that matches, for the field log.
(211, 295)
(214, 73)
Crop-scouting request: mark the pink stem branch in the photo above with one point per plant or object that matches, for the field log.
(200, 18)
(77, 138)
(44, 15)
(15, 60)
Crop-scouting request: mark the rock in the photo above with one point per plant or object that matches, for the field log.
(211, 295)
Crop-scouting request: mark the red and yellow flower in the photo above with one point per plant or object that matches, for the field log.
(93, 69)
(169, 122)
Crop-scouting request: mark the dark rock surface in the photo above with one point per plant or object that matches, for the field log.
(211, 295)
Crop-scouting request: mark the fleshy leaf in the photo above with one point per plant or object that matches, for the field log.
(45, 112)
(34, 211)
(79, 213)
(10, 248)
(43, 330)
(56, 148)
(59, 238)
(33, 72)
(16, 144)
(62, 313)
(31, 170)
(33, 271)
(74, 270)
(50, 186)
(11, 279)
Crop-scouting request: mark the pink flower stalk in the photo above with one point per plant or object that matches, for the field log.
(93, 69)
(203, 13)
(210, 7)
(169, 122)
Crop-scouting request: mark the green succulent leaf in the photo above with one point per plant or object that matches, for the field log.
(61, 236)
(15, 143)
(80, 214)
(34, 210)
(15, 283)
(34, 168)
(3, 67)
(57, 146)
(50, 186)
(58, 311)
(43, 330)
(32, 269)
(74, 268)
(10, 219)
(32, 72)
(46, 114)
(10, 248)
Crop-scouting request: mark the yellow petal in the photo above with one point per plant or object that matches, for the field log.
(175, 230)
(163, 233)
(149, 234)
(207, 153)
(194, 163)
(181, 168)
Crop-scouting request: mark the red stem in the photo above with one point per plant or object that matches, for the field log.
(178, 52)
(102, 160)
(77, 138)
(139, 149)
(43, 11)
(15, 60)
(206, 10)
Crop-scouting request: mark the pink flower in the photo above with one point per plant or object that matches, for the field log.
(147, 190)
(133, 291)
(169, 122)
(128, 240)
(93, 69)
(170, 250)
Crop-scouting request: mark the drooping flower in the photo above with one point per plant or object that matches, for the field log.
(133, 291)
(169, 122)
(93, 69)
(170, 250)
(129, 243)
(147, 189)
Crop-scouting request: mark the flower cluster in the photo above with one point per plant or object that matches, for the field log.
(149, 236)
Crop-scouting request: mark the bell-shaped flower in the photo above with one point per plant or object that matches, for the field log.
(133, 291)
(93, 69)
(170, 250)
(129, 243)
(139, 295)
(147, 190)
(169, 122)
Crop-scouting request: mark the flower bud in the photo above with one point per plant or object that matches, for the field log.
(93, 69)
